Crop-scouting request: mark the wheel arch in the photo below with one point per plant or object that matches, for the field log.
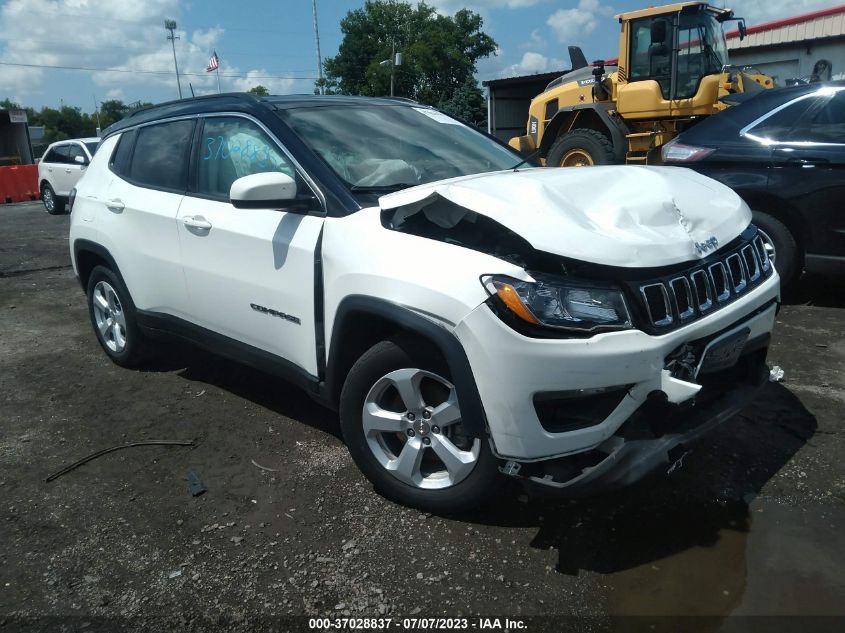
(764, 202)
(88, 255)
(591, 116)
(362, 321)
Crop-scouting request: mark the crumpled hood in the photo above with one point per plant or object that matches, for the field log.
(629, 216)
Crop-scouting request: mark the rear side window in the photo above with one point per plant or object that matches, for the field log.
(779, 126)
(827, 124)
(160, 159)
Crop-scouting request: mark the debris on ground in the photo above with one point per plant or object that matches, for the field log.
(105, 451)
(195, 485)
(776, 374)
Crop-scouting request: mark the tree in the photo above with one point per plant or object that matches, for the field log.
(259, 90)
(467, 103)
(440, 52)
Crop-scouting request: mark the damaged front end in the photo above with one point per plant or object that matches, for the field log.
(660, 433)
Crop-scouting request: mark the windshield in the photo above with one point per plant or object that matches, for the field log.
(385, 148)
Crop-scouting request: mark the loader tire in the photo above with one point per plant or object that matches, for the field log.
(581, 148)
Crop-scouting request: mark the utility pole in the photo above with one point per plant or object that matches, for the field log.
(170, 25)
(97, 112)
(317, 40)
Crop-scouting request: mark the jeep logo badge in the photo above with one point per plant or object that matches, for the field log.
(708, 245)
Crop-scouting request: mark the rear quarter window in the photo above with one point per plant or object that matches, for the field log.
(160, 157)
(119, 162)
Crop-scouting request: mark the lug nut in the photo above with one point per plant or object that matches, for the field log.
(426, 414)
(411, 433)
(426, 441)
(411, 417)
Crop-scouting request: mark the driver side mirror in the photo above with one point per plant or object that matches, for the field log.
(269, 190)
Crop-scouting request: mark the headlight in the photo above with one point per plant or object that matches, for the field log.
(557, 304)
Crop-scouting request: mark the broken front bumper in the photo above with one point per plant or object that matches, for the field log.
(657, 437)
(610, 377)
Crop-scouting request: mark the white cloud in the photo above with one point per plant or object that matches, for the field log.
(758, 11)
(533, 63)
(572, 25)
(535, 41)
(126, 35)
(479, 6)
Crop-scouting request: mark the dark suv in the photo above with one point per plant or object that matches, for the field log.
(783, 152)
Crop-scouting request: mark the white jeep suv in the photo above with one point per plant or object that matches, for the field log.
(61, 167)
(469, 319)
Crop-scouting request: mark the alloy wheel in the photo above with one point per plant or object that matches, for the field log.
(109, 316)
(48, 199)
(412, 424)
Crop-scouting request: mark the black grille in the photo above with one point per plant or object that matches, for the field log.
(704, 288)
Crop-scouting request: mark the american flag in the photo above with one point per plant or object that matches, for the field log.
(213, 63)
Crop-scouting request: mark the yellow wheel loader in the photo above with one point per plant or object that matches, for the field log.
(672, 70)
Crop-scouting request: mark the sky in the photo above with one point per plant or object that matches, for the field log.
(122, 44)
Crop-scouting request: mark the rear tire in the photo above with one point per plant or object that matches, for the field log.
(468, 474)
(114, 318)
(52, 203)
(784, 254)
(581, 147)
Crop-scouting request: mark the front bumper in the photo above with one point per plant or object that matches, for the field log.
(510, 369)
(657, 437)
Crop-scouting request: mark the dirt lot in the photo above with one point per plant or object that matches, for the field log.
(754, 524)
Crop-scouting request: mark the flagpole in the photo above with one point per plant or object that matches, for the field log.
(217, 72)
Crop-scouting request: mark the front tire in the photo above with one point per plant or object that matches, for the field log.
(581, 147)
(400, 418)
(114, 319)
(52, 204)
(781, 245)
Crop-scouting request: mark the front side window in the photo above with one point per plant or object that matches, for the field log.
(233, 147)
(377, 148)
(160, 159)
(76, 150)
(59, 154)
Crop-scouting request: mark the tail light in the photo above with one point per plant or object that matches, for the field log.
(71, 199)
(674, 152)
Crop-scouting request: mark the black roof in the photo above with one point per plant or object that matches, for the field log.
(244, 102)
(726, 123)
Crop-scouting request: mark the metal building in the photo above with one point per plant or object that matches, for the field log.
(508, 100)
(794, 49)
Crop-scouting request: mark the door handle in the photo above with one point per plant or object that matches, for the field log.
(116, 205)
(196, 222)
(809, 161)
(67, 171)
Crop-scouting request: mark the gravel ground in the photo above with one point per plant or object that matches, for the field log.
(752, 525)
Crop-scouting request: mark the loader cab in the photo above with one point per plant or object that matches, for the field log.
(677, 47)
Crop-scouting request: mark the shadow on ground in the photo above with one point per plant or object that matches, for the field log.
(816, 290)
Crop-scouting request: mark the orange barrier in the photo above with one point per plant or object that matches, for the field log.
(19, 183)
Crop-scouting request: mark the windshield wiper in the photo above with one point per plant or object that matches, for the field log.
(530, 156)
(381, 188)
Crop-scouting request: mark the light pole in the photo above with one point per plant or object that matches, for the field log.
(394, 61)
(317, 40)
(170, 25)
